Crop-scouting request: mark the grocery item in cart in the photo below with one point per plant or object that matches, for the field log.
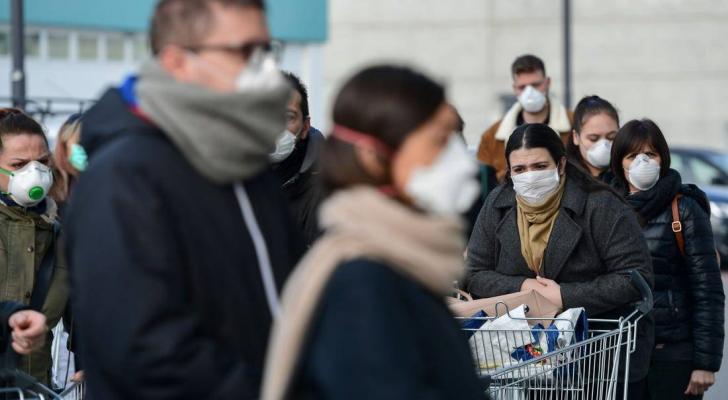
(498, 338)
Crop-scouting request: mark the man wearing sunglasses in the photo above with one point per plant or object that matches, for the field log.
(176, 240)
(534, 105)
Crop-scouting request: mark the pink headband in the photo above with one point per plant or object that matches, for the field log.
(362, 139)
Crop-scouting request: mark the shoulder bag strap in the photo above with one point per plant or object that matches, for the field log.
(677, 225)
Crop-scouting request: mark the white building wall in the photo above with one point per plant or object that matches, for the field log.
(667, 59)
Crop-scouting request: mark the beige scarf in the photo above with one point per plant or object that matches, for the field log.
(558, 119)
(535, 222)
(360, 222)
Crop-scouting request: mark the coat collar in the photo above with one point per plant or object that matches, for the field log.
(559, 119)
(564, 236)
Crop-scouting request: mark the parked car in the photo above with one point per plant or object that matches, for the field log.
(709, 170)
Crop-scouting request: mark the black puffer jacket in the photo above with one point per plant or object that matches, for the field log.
(689, 297)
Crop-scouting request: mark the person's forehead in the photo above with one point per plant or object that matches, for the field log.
(599, 123)
(23, 145)
(234, 25)
(294, 103)
(529, 156)
(525, 78)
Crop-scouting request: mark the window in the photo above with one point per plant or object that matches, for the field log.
(4, 43)
(141, 48)
(58, 46)
(705, 174)
(32, 44)
(88, 47)
(115, 48)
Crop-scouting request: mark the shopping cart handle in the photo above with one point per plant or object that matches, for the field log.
(646, 300)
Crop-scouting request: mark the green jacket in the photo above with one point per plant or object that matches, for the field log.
(24, 240)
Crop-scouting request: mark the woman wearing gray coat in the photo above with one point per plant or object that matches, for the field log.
(552, 228)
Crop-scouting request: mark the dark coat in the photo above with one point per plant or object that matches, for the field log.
(300, 182)
(379, 335)
(167, 289)
(689, 298)
(595, 242)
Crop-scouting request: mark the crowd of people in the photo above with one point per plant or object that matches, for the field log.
(203, 240)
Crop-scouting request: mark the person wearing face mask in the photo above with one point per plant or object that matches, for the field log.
(689, 298)
(69, 158)
(552, 228)
(535, 105)
(596, 122)
(295, 161)
(177, 241)
(32, 265)
(363, 314)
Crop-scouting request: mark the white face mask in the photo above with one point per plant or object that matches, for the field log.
(644, 172)
(599, 154)
(449, 185)
(260, 73)
(285, 145)
(532, 100)
(535, 186)
(29, 185)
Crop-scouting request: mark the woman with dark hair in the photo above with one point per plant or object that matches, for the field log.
(552, 228)
(32, 270)
(689, 296)
(596, 123)
(363, 315)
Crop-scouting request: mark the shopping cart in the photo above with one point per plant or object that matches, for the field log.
(588, 369)
(19, 385)
(16, 384)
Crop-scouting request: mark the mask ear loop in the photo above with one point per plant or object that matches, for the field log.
(365, 140)
(8, 173)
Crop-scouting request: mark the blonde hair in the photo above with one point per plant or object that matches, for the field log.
(64, 172)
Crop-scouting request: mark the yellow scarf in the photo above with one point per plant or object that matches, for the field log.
(535, 222)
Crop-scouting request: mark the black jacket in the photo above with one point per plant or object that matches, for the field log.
(379, 335)
(167, 289)
(300, 182)
(689, 299)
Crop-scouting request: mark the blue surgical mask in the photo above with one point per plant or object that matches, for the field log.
(78, 157)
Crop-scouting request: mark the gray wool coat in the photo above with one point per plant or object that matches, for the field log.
(596, 240)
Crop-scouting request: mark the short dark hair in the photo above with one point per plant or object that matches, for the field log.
(295, 81)
(14, 121)
(631, 138)
(586, 108)
(527, 63)
(185, 22)
(533, 136)
(385, 102)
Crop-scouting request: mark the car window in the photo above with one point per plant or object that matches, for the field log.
(681, 163)
(704, 173)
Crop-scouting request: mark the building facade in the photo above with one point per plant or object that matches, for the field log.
(662, 59)
(75, 49)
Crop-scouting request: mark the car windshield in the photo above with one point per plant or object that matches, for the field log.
(720, 160)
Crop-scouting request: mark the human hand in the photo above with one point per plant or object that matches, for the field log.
(700, 381)
(531, 284)
(78, 376)
(550, 290)
(29, 330)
